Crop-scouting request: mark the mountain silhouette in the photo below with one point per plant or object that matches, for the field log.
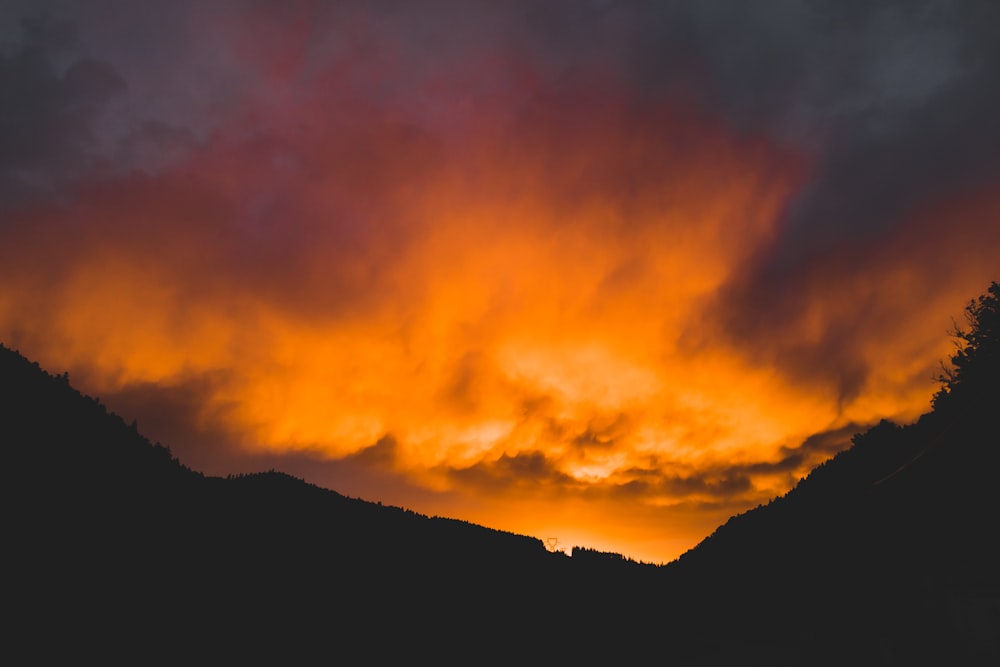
(116, 548)
(884, 555)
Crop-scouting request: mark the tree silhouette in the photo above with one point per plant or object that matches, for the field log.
(976, 362)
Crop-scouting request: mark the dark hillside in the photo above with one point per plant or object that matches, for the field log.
(886, 554)
(115, 546)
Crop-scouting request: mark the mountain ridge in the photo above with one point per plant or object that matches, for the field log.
(883, 555)
(102, 514)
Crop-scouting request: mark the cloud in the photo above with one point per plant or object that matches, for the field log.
(894, 98)
(48, 111)
(524, 470)
(177, 414)
(803, 457)
(380, 455)
(848, 319)
(646, 260)
(678, 489)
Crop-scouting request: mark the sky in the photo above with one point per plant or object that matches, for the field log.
(604, 273)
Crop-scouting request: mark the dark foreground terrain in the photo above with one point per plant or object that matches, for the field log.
(885, 555)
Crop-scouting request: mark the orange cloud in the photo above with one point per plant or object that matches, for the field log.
(515, 317)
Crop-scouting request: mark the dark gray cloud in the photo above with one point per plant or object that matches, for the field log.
(380, 455)
(922, 131)
(602, 433)
(710, 483)
(893, 100)
(798, 459)
(152, 145)
(178, 414)
(50, 99)
(745, 482)
(525, 470)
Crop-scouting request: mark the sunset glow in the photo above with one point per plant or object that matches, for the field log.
(534, 295)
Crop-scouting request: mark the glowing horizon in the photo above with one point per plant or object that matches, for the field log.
(518, 287)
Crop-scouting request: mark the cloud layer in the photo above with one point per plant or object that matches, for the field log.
(609, 271)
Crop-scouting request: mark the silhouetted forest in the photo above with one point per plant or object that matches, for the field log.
(884, 555)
